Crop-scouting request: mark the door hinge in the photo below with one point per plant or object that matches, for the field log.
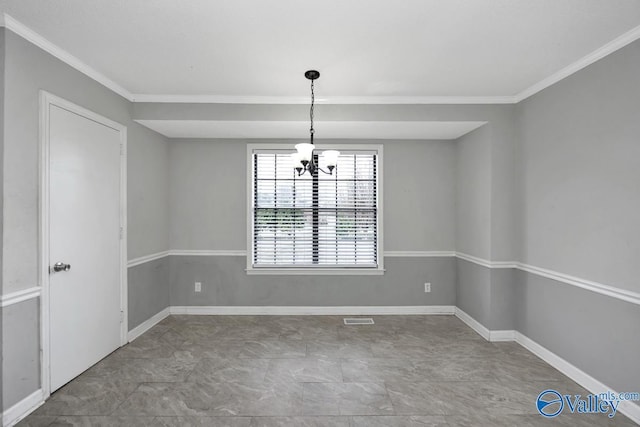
(121, 149)
(121, 316)
(121, 233)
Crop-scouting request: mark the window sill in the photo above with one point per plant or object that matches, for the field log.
(315, 271)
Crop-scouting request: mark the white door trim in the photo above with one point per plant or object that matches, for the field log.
(47, 99)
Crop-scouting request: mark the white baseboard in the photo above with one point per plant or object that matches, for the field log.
(312, 310)
(628, 408)
(594, 386)
(147, 324)
(473, 324)
(23, 408)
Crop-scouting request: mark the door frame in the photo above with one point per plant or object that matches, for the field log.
(46, 100)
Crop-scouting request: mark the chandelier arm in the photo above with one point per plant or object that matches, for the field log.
(313, 165)
(324, 171)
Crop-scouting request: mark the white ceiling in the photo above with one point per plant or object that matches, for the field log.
(324, 129)
(363, 48)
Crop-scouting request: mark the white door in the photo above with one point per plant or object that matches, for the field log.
(84, 223)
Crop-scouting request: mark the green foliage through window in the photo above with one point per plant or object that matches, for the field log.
(284, 219)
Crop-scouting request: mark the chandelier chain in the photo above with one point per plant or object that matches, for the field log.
(311, 111)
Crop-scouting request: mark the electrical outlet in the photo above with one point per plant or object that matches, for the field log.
(427, 287)
(198, 287)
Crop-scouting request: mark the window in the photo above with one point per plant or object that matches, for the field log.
(319, 223)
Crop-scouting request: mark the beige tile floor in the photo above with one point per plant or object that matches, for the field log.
(312, 371)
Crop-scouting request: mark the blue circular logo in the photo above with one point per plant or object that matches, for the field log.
(550, 403)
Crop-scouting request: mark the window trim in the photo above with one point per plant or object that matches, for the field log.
(379, 270)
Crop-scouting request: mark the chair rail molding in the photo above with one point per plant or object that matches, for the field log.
(20, 296)
(603, 289)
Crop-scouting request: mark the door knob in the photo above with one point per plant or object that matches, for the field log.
(60, 266)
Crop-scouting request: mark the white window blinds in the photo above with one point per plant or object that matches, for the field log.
(315, 221)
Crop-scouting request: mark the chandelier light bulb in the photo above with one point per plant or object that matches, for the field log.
(296, 159)
(330, 157)
(305, 150)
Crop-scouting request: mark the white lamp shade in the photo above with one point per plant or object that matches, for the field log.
(305, 150)
(295, 160)
(331, 157)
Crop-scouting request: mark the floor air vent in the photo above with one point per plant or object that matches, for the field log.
(358, 321)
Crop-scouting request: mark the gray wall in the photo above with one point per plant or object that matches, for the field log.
(208, 205)
(21, 351)
(577, 156)
(148, 290)
(579, 152)
(147, 192)
(419, 195)
(504, 187)
(574, 203)
(486, 193)
(494, 164)
(27, 69)
(596, 333)
(2, 352)
(1, 191)
(488, 295)
(474, 222)
(208, 194)
(473, 290)
(473, 193)
(502, 297)
(225, 283)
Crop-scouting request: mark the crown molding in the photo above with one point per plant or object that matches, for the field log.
(31, 36)
(612, 46)
(346, 100)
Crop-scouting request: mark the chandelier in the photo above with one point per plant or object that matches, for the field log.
(304, 159)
